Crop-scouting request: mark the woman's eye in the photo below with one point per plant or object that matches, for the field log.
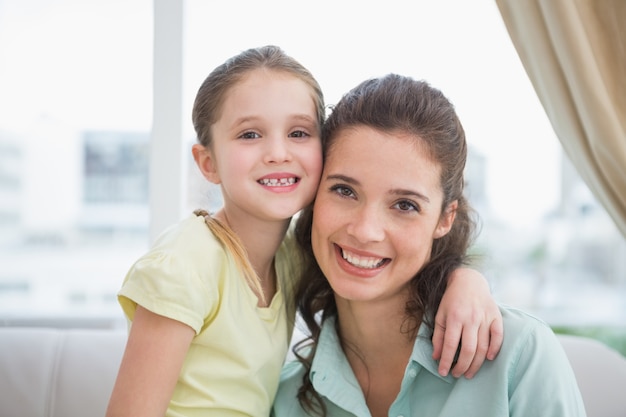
(249, 135)
(343, 191)
(299, 134)
(407, 206)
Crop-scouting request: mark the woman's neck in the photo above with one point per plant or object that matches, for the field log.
(373, 326)
(377, 349)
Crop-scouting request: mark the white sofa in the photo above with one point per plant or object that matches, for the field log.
(600, 373)
(47, 372)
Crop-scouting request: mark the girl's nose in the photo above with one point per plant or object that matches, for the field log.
(366, 224)
(278, 150)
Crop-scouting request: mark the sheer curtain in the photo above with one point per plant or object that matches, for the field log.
(574, 52)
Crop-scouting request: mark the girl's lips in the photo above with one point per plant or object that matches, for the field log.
(279, 182)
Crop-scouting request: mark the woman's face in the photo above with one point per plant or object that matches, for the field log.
(376, 214)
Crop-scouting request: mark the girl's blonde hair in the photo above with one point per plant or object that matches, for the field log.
(231, 241)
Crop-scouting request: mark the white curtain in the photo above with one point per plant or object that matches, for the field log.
(574, 52)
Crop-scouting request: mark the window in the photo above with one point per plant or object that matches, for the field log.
(74, 134)
(74, 148)
(116, 168)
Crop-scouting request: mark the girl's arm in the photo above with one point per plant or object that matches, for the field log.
(152, 361)
(468, 315)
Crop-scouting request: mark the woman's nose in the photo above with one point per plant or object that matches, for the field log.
(367, 224)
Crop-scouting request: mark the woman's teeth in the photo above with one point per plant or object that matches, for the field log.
(362, 261)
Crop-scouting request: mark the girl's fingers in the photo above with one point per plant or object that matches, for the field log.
(451, 341)
(496, 336)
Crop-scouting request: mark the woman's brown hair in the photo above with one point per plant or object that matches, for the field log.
(392, 104)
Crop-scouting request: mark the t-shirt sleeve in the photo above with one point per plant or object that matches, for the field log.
(168, 285)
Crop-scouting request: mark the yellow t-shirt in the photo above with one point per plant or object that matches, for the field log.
(233, 365)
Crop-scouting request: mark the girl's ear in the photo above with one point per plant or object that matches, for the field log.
(206, 162)
(447, 220)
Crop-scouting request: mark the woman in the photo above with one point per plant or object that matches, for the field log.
(389, 224)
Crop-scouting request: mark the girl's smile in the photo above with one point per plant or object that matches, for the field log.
(280, 182)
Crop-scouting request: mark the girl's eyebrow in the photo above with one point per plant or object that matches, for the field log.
(245, 119)
(396, 191)
(304, 117)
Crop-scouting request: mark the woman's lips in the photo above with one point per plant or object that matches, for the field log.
(360, 263)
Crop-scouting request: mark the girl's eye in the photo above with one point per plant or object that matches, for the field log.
(249, 135)
(299, 134)
(406, 205)
(342, 190)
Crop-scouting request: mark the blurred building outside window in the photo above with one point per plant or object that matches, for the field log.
(75, 134)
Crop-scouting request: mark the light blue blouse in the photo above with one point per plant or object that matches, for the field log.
(530, 377)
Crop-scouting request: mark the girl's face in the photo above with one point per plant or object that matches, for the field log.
(377, 211)
(266, 150)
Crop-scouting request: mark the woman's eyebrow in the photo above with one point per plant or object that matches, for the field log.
(410, 193)
(401, 192)
(344, 178)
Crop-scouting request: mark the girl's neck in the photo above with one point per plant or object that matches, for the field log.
(260, 238)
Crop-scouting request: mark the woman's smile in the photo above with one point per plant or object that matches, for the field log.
(359, 263)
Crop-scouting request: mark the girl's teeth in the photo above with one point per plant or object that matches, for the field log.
(362, 262)
(274, 182)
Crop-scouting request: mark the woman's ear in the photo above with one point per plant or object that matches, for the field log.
(206, 162)
(447, 220)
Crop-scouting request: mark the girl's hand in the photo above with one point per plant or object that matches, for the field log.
(468, 316)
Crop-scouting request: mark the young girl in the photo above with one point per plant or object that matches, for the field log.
(389, 224)
(211, 304)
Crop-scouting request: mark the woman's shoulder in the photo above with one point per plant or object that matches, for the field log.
(536, 367)
(528, 338)
(290, 382)
(292, 370)
(517, 321)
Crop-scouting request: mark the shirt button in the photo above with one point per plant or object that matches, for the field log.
(412, 374)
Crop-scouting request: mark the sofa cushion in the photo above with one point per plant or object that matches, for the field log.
(601, 375)
(58, 372)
